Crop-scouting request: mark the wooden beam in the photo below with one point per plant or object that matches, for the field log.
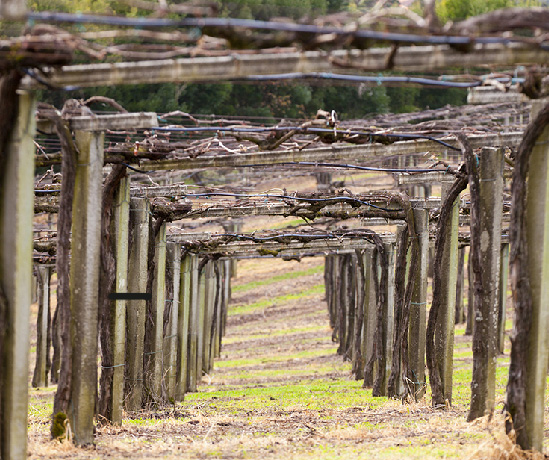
(407, 59)
(117, 121)
(336, 152)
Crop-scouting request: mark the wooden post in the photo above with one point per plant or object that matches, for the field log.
(219, 307)
(171, 341)
(444, 332)
(153, 358)
(388, 316)
(194, 325)
(136, 309)
(121, 219)
(40, 379)
(209, 301)
(226, 294)
(183, 328)
(418, 306)
(201, 324)
(16, 213)
(84, 279)
(460, 314)
(503, 278)
(485, 335)
(537, 222)
(370, 308)
(470, 299)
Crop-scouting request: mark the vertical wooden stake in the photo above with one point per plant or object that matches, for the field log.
(370, 308)
(208, 316)
(444, 333)
(136, 309)
(503, 279)
(16, 213)
(485, 335)
(153, 359)
(39, 379)
(537, 221)
(171, 341)
(418, 306)
(194, 325)
(201, 323)
(122, 219)
(389, 315)
(183, 328)
(84, 279)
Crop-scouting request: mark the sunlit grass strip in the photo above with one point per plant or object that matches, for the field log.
(266, 303)
(275, 333)
(281, 277)
(276, 358)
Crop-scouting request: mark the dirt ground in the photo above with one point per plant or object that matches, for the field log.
(280, 391)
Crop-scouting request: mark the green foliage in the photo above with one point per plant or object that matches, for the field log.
(457, 10)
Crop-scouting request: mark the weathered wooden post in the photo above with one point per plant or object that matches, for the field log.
(537, 222)
(418, 306)
(136, 309)
(183, 327)
(469, 324)
(444, 332)
(503, 279)
(154, 357)
(16, 213)
(121, 219)
(370, 309)
(485, 335)
(194, 325)
(39, 379)
(460, 313)
(226, 294)
(220, 279)
(388, 318)
(201, 323)
(171, 342)
(209, 305)
(84, 279)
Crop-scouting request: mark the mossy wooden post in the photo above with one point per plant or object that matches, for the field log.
(183, 328)
(370, 308)
(201, 323)
(39, 379)
(194, 325)
(502, 294)
(84, 279)
(537, 222)
(171, 342)
(485, 335)
(444, 332)
(154, 358)
(121, 219)
(418, 306)
(136, 309)
(16, 213)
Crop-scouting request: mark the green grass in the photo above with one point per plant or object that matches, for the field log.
(275, 333)
(277, 278)
(310, 394)
(266, 303)
(275, 358)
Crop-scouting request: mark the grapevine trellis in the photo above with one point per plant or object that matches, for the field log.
(158, 295)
